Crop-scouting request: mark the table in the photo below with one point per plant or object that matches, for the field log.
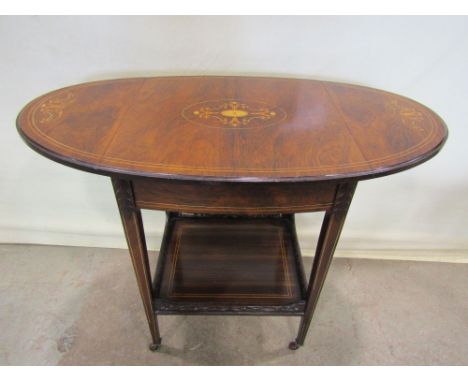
(231, 160)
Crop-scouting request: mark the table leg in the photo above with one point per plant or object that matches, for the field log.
(135, 235)
(330, 233)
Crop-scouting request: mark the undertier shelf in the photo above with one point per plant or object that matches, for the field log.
(230, 265)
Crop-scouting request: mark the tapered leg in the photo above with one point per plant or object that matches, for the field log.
(133, 227)
(330, 233)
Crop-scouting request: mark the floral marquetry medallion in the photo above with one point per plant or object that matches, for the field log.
(233, 114)
(53, 108)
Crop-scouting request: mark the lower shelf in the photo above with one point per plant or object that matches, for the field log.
(230, 265)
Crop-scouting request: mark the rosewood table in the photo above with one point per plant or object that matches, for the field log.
(231, 160)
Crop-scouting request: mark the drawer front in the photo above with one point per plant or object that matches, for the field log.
(232, 198)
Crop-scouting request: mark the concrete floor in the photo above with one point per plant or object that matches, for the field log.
(80, 306)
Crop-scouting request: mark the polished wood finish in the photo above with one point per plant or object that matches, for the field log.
(230, 159)
(234, 198)
(230, 265)
(135, 235)
(329, 235)
(241, 129)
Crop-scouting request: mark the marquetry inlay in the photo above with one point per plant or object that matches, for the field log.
(409, 116)
(233, 113)
(53, 108)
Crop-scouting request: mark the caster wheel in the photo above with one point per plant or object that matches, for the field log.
(293, 345)
(154, 347)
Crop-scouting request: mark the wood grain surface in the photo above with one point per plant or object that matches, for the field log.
(241, 129)
(233, 198)
(231, 261)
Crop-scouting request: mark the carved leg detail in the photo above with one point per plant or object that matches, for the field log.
(330, 233)
(134, 233)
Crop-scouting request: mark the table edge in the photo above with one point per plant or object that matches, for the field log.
(129, 174)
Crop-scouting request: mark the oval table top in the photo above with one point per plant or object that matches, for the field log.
(244, 129)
